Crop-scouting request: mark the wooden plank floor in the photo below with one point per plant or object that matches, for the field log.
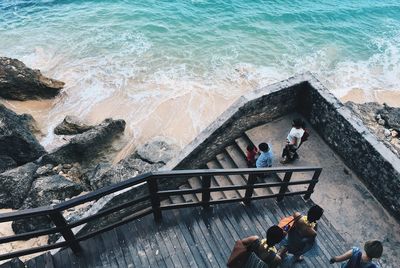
(194, 237)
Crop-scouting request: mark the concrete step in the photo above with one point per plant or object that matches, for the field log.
(195, 182)
(176, 199)
(189, 198)
(242, 143)
(222, 180)
(238, 157)
(165, 202)
(227, 163)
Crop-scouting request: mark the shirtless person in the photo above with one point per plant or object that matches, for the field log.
(301, 236)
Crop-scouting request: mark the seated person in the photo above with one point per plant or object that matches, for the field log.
(357, 258)
(251, 155)
(265, 248)
(301, 236)
(266, 157)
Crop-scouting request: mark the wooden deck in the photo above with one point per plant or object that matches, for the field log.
(192, 238)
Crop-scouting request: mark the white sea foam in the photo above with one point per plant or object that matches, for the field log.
(161, 70)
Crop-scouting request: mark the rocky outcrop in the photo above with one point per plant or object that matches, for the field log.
(16, 140)
(85, 146)
(105, 174)
(45, 191)
(71, 125)
(382, 120)
(391, 115)
(158, 150)
(18, 82)
(15, 185)
(6, 162)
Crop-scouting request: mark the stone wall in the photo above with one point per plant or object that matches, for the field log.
(258, 107)
(345, 133)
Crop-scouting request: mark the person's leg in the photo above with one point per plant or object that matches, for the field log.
(285, 154)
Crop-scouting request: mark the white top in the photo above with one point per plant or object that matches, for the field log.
(295, 135)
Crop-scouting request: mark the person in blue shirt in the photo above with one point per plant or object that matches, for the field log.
(266, 157)
(357, 258)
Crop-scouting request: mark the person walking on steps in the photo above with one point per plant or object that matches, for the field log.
(358, 259)
(294, 139)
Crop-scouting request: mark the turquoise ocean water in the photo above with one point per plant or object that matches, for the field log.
(176, 64)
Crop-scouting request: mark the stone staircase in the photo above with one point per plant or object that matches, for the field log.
(233, 156)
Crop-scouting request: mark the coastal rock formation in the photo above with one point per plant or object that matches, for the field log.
(382, 120)
(17, 143)
(391, 115)
(105, 174)
(85, 146)
(71, 125)
(15, 185)
(6, 162)
(18, 82)
(44, 191)
(158, 150)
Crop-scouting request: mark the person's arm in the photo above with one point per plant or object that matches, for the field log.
(309, 231)
(248, 240)
(276, 262)
(305, 229)
(297, 141)
(342, 257)
(269, 161)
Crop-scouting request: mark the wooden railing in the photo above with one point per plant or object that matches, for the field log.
(154, 197)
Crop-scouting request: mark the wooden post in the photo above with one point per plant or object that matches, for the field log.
(205, 194)
(249, 191)
(284, 187)
(313, 183)
(155, 200)
(67, 233)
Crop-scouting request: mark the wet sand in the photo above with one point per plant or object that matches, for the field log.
(6, 230)
(179, 118)
(390, 97)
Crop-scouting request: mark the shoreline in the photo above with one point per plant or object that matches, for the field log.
(173, 118)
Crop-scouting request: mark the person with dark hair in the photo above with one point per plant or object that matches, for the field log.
(301, 236)
(358, 259)
(266, 157)
(265, 248)
(293, 141)
(251, 155)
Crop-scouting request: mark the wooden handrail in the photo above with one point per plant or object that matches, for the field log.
(151, 179)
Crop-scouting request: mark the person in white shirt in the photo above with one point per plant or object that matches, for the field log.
(293, 141)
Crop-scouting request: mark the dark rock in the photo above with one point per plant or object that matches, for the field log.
(158, 150)
(391, 115)
(6, 162)
(373, 114)
(105, 174)
(71, 125)
(45, 170)
(44, 191)
(18, 82)
(15, 185)
(85, 146)
(16, 140)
